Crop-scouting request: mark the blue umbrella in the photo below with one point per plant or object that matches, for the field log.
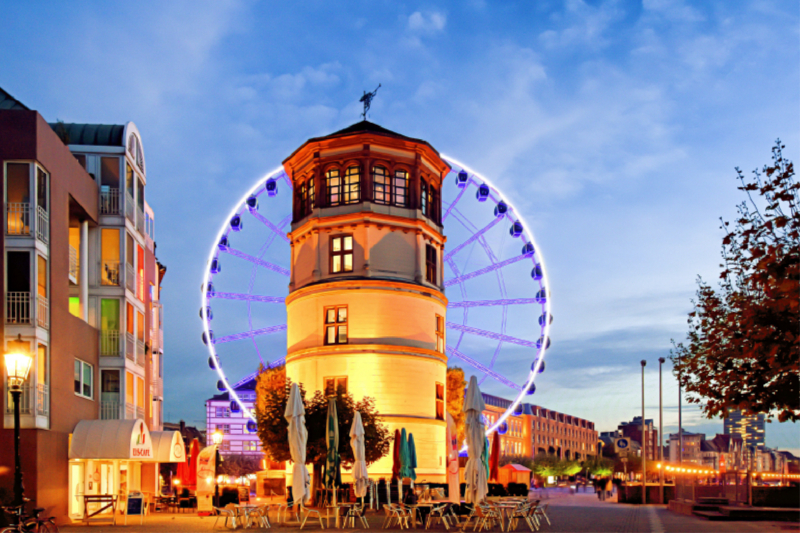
(405, 456)
(412, 455)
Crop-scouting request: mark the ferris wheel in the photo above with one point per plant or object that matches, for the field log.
(498, 313)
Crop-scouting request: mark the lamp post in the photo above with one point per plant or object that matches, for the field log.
(644, 445)
(18, 364)
(661, 361)
(216, 438)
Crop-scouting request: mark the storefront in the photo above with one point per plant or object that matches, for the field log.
(116, 457)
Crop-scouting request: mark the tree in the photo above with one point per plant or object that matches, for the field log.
(743, 344)
(599, 466)
(239, 465)
(456, 384)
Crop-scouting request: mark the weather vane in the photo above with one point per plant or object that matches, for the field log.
(367, 99)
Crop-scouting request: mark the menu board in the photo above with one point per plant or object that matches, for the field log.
(135, 506)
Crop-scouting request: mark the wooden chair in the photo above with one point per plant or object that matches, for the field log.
(395, 513)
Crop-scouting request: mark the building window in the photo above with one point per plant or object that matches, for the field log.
(311, 196)
(334, 386)
(341, 254)
(225, 428)
(222, 412)
(226, 446)
(351, 188)
(439, 401)
(430, 264)
(84, 379)
(440, 333)
(250, 446)
(433, 204)
(401, 188)
(423, 197)
(305, 198)
(381, 186)
(336, 325)
(333, 186)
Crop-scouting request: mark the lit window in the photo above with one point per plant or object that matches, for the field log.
(336, 385)
(439, 333)
(341, 254)
(430, 264)
(84, 379)
(250, 446)
(336, 325)
(423, 197)
(305, 198)
(401, 188)
(225, 428)
(333, 185)
(222, 412)
(439, 401)
(433, 204)
(351, 187)
(381, 186)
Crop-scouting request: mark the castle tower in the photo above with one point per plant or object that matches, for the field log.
(366, 305)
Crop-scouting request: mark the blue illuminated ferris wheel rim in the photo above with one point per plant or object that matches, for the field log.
(486, 190)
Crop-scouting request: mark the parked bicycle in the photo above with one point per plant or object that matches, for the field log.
(28, 523)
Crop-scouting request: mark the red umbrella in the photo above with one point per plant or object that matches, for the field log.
(194, 451)
(494, 458)
(396, 455)
(183, 473)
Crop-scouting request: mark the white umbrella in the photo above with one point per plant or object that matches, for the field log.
(298, 437)
(475, 473)
(452, 460)
(360, 477)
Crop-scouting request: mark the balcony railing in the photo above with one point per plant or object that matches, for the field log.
(73, 265)
(130, 277)
(42, 311)
(18, 308)
(129, 206)
(140, 353)
(18, 218)
(129, 346)
(140, 220)
(109, 201)
(109, 272)
(25, 403)
(42, 399)
(139, 412)
(110, 343)
(110, 410)
(42, 224)
(130, 411)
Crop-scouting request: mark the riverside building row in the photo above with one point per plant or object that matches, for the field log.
(82, 294)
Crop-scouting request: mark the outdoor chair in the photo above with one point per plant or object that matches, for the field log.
(395, 513)
(460, 519)
(228, 513)
(487, 517)
(523, 511)
(542, 511)
(305, 512)
(439, 514)
(281, 508)
(356, 512)
(260, 517)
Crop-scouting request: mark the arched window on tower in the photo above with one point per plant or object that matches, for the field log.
(381, 186)
(423, 197)
(433, 204)
(351, 190)
(400, 188)
(333, 186)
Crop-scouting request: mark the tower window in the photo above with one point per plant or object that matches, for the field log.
(336, 325)
(381, 186)
(401, 188)
(430, 264)
(311, 195)
(423, 197)
(433, 204)
(440, 333)
(439, 401)
(333, 184)
(334, 386)
(341, 254)
(305, 198)
(351, 192)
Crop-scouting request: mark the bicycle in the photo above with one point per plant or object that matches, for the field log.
(24, 523)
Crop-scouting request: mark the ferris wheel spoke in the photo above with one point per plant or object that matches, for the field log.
(264, 220)
(455, 201)
(474, 237)
(490, 303)
(482, 368)
(257, 261)
(491, 335)
(248, 334)
(250, 297)
(484, 270)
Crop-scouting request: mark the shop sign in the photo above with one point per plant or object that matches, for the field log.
(141, 446)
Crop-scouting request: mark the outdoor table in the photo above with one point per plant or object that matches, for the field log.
(335, 516)
(106, 501)
(243, 512)
(414, 507)
(346, 507)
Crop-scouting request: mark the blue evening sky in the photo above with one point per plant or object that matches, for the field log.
(613, 125)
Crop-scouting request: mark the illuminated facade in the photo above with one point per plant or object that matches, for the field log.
(239, 435)
(366, 306)
(749, 427)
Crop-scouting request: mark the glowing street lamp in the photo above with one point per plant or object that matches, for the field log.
(18, 363)
(217, 437)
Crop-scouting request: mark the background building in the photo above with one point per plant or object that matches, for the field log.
(749, 427)
(691, 447)
(239, 432)
(633, 430)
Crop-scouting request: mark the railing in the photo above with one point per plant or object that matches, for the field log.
(140, 220)
(73, 265)
(129, 206)
(18, 308)
(109, 201)
(140, 353)
(110, 410)
(18, 218)
(129, 346)
(130, 277)
(25, 402)
(42, 399)
(130, 411)
(109, 273)
(139, 412)
(110, 343)
(42, 311)
(42, 224)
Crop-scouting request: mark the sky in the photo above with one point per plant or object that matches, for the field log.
(614, 126)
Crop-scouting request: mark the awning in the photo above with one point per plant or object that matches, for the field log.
(168, 447)
(111, 439)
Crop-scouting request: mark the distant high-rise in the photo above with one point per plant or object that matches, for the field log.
(749, 427)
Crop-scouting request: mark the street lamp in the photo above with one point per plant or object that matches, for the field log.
(217, 437)
(661, 361)
(644, 445)
(18, 364)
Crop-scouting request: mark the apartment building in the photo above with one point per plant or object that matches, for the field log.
(751, 428)
(239, 433)
(633, 430)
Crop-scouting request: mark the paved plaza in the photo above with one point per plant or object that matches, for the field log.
(568, 513)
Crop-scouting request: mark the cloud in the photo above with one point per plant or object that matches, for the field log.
(429, 22)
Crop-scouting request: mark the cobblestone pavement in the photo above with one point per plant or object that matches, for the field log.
(568, 513)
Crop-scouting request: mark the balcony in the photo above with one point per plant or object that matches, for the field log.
(110, 343)
(109, 200)
(42, 224)
(73, 265)
(18, 308)
(42, 311)
(130, 411)
(129, 346)
(140, 353)
(18, 218)
(110, 410)
(130, 277)
(42, 399)
(140, 412)
(109, 273)
(129, 206)
(25, 403)
(140, 220)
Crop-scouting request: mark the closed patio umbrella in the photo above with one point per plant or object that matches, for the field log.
(405, 461)
(453, 489)
(395, 465)
(475, 472)
(332, 475)
(194, 453)
(295, 414)
(494, 459)
(360, 477)
(412, 458)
